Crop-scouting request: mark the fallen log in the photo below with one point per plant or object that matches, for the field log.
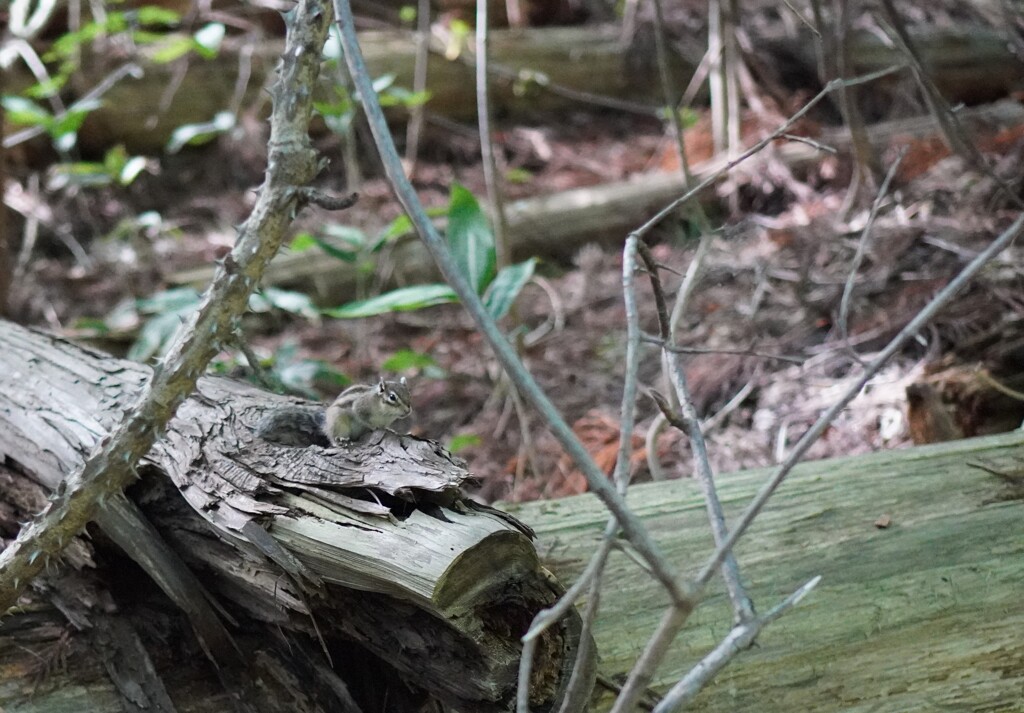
(368, 548)
(921, 554)
(556, 226)
(547, 70)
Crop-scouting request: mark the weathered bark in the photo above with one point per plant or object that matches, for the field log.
(372, 543)
(556, 226)
(923, 614)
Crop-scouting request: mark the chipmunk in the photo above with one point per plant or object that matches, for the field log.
(362, 408)
(358, 410)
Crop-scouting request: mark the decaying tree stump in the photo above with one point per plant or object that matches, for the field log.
(370, 548)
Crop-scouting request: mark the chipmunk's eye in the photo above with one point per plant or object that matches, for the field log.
(391, 397)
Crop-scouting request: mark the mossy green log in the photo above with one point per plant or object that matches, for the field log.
(926, 614)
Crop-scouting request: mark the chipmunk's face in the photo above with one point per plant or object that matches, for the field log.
(395, 395)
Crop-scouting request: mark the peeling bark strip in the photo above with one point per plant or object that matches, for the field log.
(375, 537)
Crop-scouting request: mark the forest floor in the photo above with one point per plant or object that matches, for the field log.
(766, 311)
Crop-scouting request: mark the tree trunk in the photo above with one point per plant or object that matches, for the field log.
(921, 553)
(371, 543)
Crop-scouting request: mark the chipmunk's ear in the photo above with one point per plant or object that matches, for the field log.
(380, 385)
(403, 382)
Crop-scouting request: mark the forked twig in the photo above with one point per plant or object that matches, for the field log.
(740, 638)
(858, 258)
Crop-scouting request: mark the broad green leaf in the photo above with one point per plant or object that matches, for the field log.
(25, 112)
(290, 301)
(172, 48)
(47, 88)
(155, 15)
(66, 141)
(407, 359)
(208, 39)
(155, 335)
(348, 234)
(302, 242)
(82, 173)
(114, 159)
(403, 299)
(172, 300)
(196, 134)
(518, 175)
(131, 170)
(470, 238)
(502, 292)
(463, 441)
(334, 251)
(403, 226)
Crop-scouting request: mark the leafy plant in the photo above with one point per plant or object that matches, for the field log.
(407, 360)
(463, 441)
(142, 26)
(471, 240)
(339, 113)
(117, 168)
(165, 310)
(291, 373)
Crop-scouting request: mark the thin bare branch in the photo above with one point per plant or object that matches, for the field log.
(740, 638)
(800, 16)
(811, 142)
(743, 608)
(653, 339)
(858, 258)
(595, 568)
(657, 646)
(490, 164)
(419, 84)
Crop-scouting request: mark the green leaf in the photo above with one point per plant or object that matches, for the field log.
(47, 88)
(502, 292)
(154, 15)
(518, 175)
(25, 112)
(403, 226)
(208, 39)
(407, 359)
(82, 173)
(346, 233)
(173, 300)
(403, 299)
(302, 243)
(196, 134)
(173, 48)
(470, 238)
(71, 121)
(131, 170)
(334, 251)
(155, 336)
(463, 441)
(290, 301)
(123, 317)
